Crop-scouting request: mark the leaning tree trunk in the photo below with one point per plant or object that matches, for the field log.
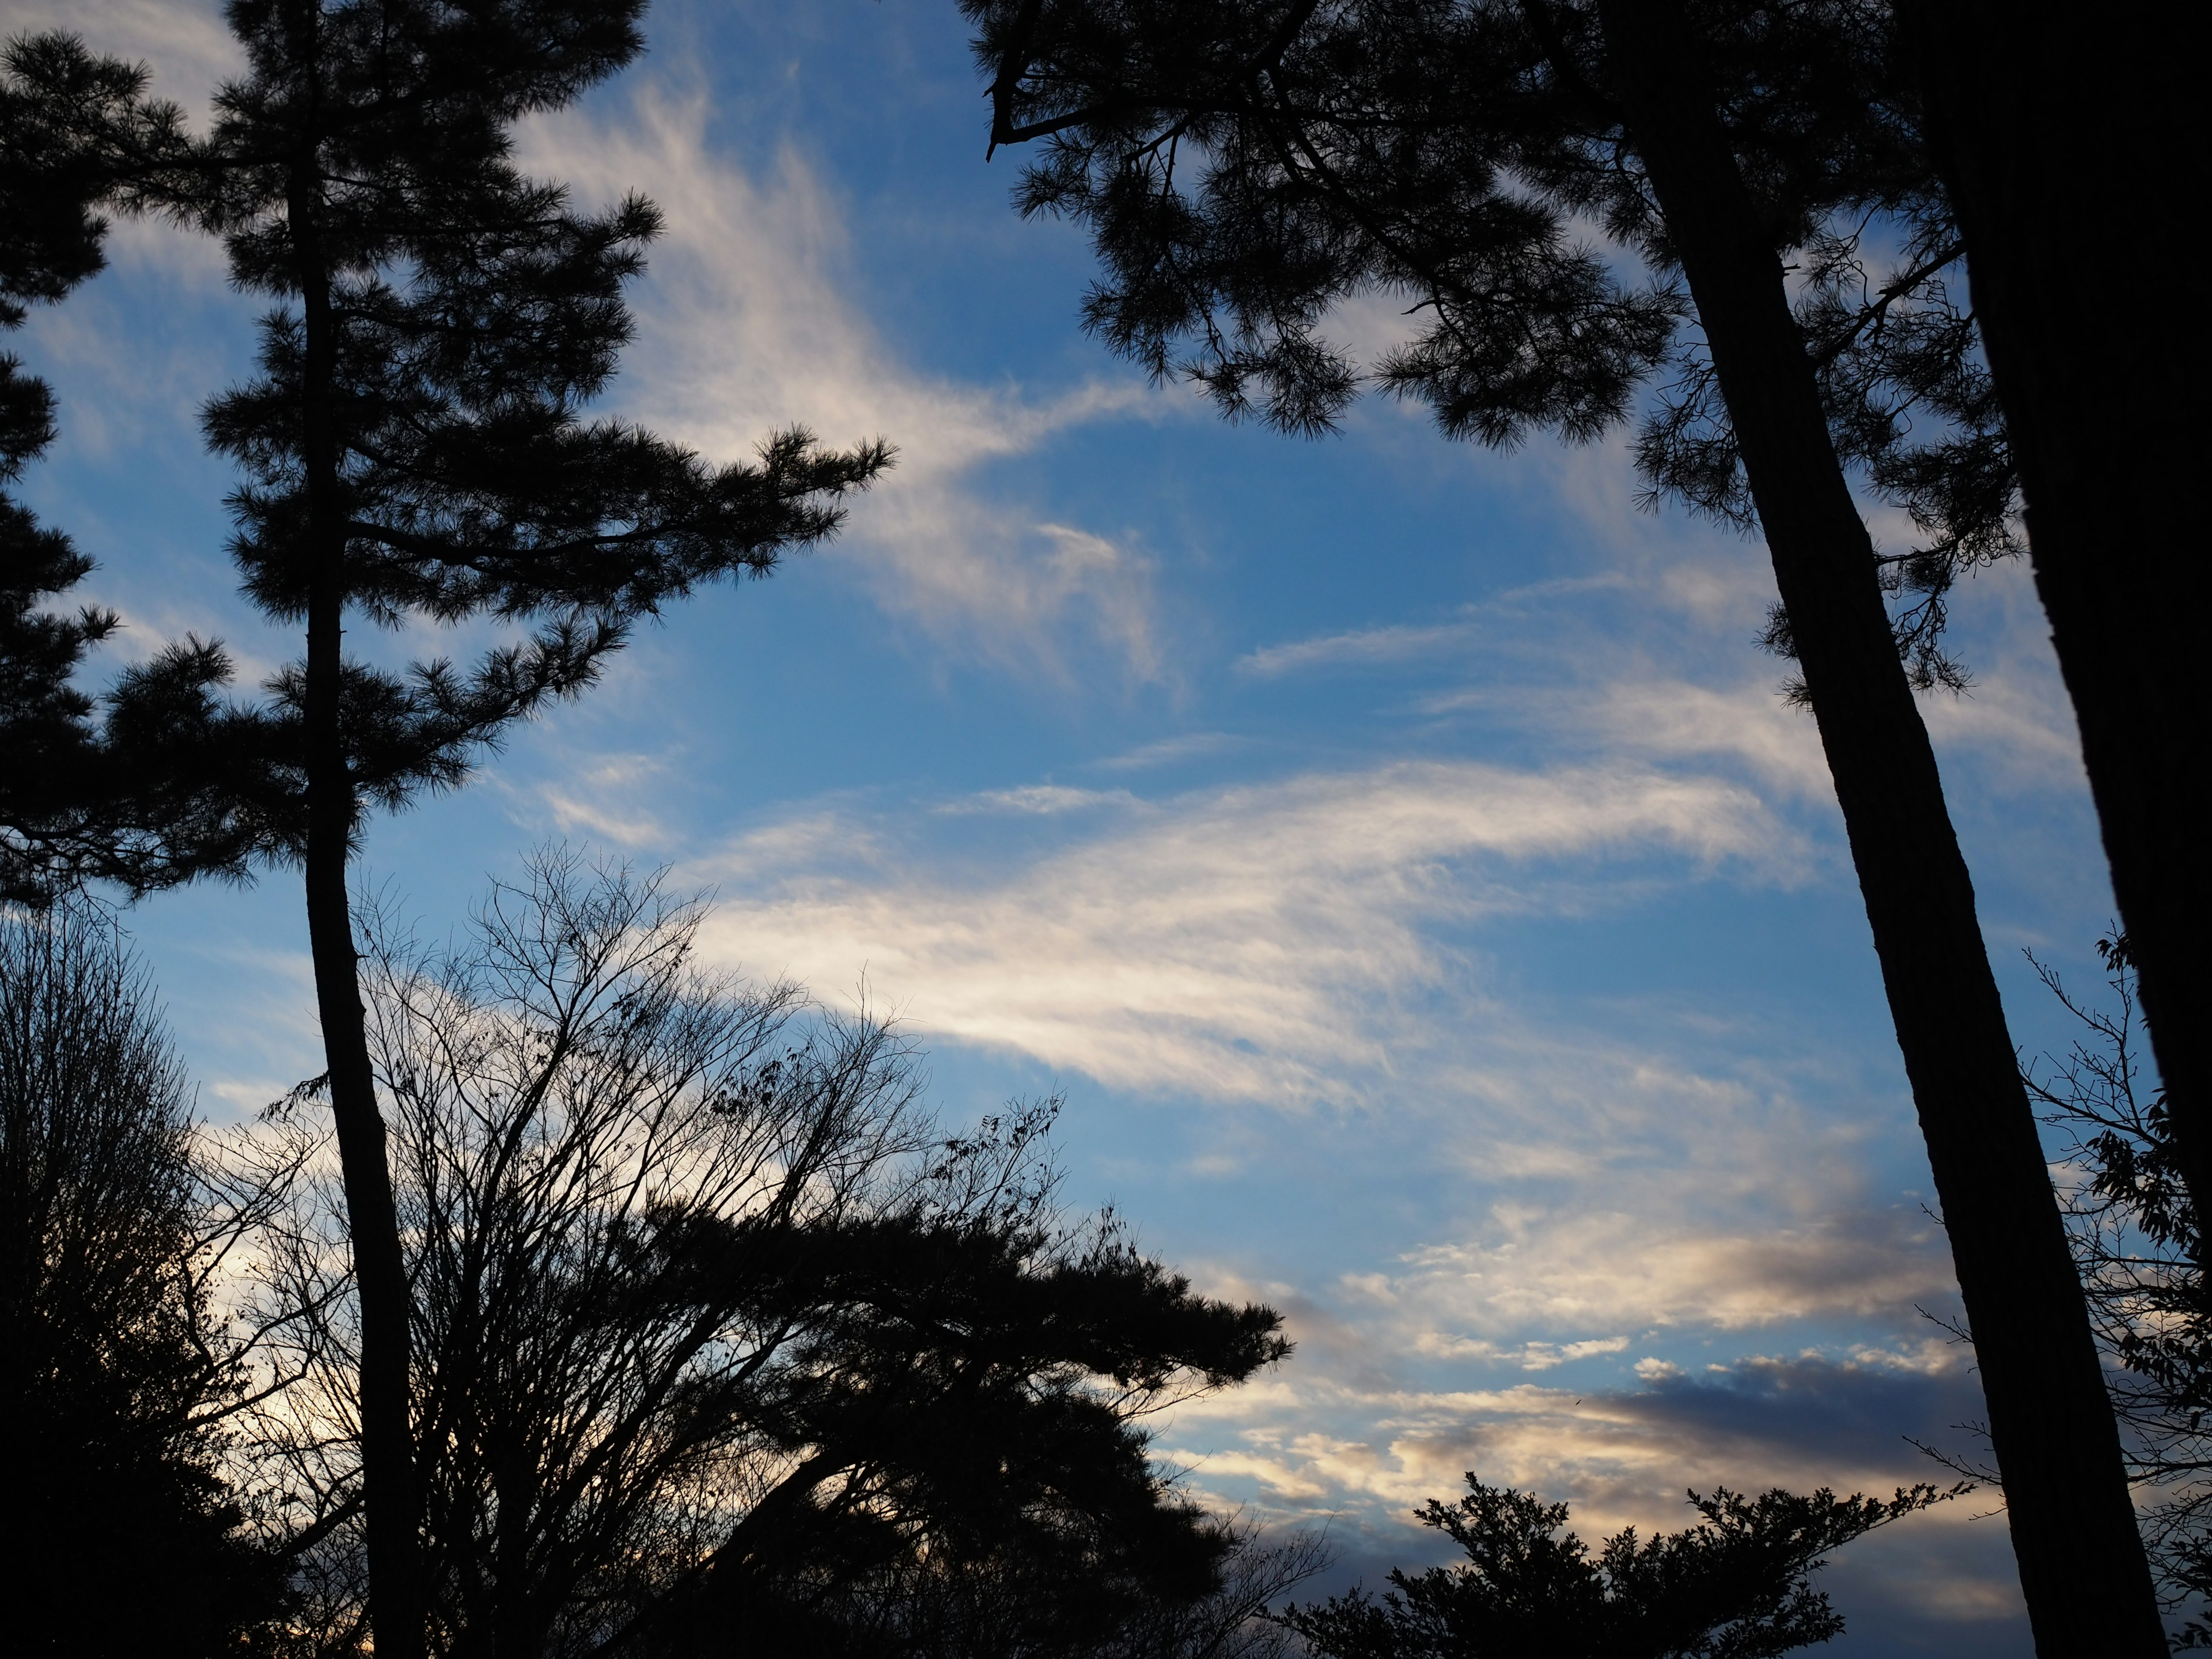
(2081, 1563)
(2067, 142)
(391, 1497)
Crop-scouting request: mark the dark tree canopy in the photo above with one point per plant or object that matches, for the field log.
(136, 796)
(116, 1370)
(417, 453)
(439, 427)
(972, 1478)
(474, 315)
(1243, 169)
(1735, 1586)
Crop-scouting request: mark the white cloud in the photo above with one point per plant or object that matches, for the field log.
(1676, 719)
(2017, 720)
(745, 326)
(1660, 717)
(1038, 800)
(1250, 942)
(609, 797)
(1191, 745)
(1662, 1264)
(1360, 647)
(184, 43)
(1529, 1356)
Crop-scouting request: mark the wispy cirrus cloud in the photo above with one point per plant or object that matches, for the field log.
(1358, 646)
(610, 799)
(746, 326)
(1627, 1215)
(1171, 751)
(1561, 1276)
(1239, 942)
(1037, 800)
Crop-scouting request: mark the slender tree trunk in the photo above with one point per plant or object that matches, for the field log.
(393, 1500)
(2081, 1563)
(2067, 142)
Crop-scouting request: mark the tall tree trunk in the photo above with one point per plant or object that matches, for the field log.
(398, 1606)
(2081, 1563)
(2068, 142)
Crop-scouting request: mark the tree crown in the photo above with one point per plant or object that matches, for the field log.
(1244, 170)
(1735, 1586)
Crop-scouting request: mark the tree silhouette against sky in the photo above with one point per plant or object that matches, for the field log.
(716, 1328)
(415, 453)
(147, 791)
(1241, 169)
(118, 1373)
(1735, 1586)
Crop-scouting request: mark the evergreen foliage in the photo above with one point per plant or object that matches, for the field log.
(417, 439)
(1735, 1586)
(416, 452)
(1244, 169)
(116, 1371)
(135, 798)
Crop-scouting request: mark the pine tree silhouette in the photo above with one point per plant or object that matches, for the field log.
(153, 797)
(1735, 1586)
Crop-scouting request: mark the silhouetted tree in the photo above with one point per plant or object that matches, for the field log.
(2134, 1235)
(1242, 167)
(717, 1340)
(137, 799)
(119, 1534)
(2063, 140)
(414, 450)
(1735, 1586)
(49, 243)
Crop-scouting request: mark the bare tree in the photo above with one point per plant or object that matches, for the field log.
(2134, 1230)
(1237, 1621)
(712, 1322)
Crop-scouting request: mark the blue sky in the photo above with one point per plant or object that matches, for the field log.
(1397, 851)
